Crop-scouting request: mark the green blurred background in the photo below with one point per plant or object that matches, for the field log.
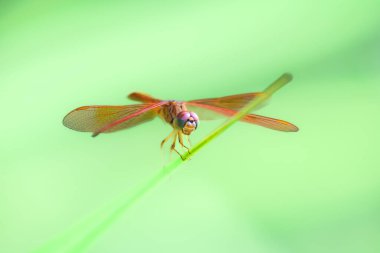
(251, 189)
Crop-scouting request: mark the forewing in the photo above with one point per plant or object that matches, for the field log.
(203, 113)
(99, 119)
(275, 124)
(234, 102)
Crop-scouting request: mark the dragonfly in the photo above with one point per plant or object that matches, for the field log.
(180, 115)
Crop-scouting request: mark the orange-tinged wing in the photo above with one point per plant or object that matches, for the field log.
(275, 124)
(234, 102)
(142, 97)
(105, 119)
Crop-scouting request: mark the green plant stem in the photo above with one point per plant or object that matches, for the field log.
(81, 236)
(275, 86)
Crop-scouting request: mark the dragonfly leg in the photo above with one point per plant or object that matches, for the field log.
(173, 146)
(180, 139)
(188, 140)
(167, 138)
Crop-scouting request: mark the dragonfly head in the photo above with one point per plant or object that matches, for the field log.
(187, 121)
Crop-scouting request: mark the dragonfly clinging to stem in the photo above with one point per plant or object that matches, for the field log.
(179, 114)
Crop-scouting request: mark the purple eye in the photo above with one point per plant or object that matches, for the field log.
(187, 119)
(195, 117)
(184, 116)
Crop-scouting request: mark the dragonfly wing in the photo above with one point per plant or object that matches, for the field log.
(275, 124)
(203, 113)
(234, 102)
(142, 97)
(105, 119)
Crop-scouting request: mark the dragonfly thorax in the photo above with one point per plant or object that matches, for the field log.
(175, 113)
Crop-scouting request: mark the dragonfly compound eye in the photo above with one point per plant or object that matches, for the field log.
(187, 121)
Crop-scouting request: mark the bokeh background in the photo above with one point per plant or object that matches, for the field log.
(251, 189)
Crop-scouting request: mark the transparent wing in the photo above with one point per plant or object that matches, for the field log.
(275, 124)
(234, 102)
(105, 119)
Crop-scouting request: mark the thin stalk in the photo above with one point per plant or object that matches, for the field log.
(81, 236)
(275, 86)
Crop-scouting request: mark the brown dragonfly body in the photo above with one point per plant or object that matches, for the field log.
(169, 113)
(105, 119)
